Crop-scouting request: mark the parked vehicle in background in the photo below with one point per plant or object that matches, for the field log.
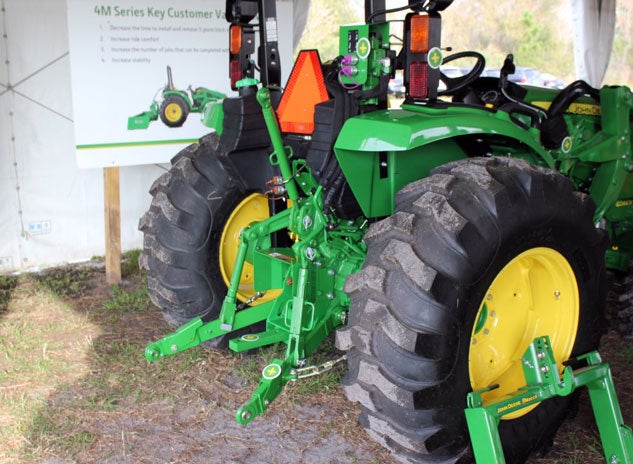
(526, 75)
(529, 76)
(548, 80)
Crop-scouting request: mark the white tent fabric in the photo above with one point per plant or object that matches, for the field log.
(52, 212)
(300, 12)
(594, 28)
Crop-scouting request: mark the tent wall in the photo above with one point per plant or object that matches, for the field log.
(52, 212)
(594, 28)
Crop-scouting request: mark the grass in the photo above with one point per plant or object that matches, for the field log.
(72, 356)
(63, 282)
(7, 285)
(136, 299)
(52, 430)
(39, 352)
(581, 446)
(129, 264)
(75, 386)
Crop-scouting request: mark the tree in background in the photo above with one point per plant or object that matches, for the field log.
(538, 32)
(620, 68)
(324, 20)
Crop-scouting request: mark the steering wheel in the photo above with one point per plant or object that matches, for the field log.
(453, 84)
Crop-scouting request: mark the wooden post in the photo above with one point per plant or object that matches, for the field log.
(112, 225)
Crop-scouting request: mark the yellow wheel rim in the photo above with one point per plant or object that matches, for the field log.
(535, 294)
(173, 112)
(253, 208)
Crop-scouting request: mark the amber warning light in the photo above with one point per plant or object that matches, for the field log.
(419, 34)
(235, 39)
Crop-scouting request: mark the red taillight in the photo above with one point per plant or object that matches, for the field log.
(418, 79)
(235, 71)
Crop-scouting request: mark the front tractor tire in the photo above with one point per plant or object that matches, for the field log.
(478, 260)
(191, 235)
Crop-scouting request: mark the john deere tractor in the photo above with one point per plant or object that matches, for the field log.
(437, 240)
(174, 106)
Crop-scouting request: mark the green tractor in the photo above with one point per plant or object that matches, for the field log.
(437, 240)
(175, 105)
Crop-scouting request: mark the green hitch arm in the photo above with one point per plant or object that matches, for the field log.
(227, 313)
(274, 377)
(263, 97)
(196, 331)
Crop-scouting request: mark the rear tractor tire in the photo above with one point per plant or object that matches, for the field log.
(174, 111)
(191, 235)
(478, 260)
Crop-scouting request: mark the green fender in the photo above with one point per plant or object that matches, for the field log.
(382, 151)
(181, 94)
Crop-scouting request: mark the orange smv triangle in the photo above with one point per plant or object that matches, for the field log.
(305, 88)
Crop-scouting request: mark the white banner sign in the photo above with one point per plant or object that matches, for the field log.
(119, 55)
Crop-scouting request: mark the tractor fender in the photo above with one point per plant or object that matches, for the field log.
(180, 93)
(405, 129)
(382, 151)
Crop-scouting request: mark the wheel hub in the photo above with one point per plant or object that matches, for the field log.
(253, 208)
(535, 294)
(173, 112)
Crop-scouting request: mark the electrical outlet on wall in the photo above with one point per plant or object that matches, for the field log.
(40, 227)
(6, 262)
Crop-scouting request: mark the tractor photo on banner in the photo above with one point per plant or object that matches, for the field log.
(146, 76)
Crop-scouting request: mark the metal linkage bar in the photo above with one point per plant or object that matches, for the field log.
(310, 274)
(543, 382)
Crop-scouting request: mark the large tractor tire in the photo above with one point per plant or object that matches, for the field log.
(191, 235)
(478, 260)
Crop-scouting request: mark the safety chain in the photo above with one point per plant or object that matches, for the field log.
(249, 301)
(317, 369)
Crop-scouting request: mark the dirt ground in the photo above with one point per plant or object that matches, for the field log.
(76, 388)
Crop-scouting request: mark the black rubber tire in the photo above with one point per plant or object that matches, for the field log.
(184, 111)
(414, 302)
(190, 206)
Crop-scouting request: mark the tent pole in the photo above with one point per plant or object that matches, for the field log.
(112, 225)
